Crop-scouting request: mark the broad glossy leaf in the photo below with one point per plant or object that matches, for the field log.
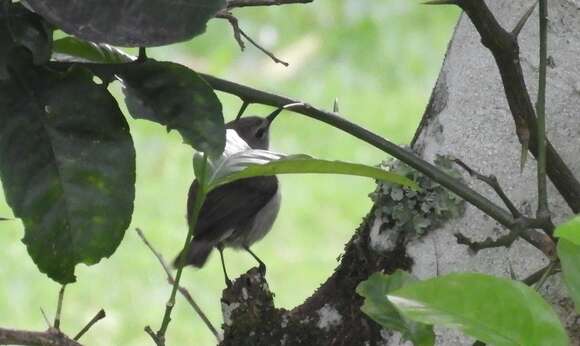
(570, 230)
(67, 165)
(380, 309)
(494, 310)
(22, 28)
(569, 254)
(74, 50)
(238, 161)
(177, 97)
(130, 22)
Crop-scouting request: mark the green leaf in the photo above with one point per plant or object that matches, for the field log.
(301, 164)
(239, 161)
(67, 164)
(494, 310)
(74, 50)
(569, 254)
(570, 230)
(129, 22)
(22, 28)
(177, 97)
(380, 309)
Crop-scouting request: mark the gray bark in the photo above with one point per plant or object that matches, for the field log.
(469, 118)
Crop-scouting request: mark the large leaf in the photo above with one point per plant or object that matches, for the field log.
(569, 254)
(22, 28)
(238, 161)
(177, 97)
(67, 165)
(74, 50)
(494, 310)
(380, 309)
(570, 230)
(130, 22)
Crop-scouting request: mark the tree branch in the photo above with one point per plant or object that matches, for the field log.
(254, 3)
(51, 337)
(250, 95)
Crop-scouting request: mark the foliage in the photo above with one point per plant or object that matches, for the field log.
(89, 227)
(494, 310)
(569, 254)
(67, 163)
(380, 309)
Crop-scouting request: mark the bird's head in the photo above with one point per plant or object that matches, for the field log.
(254, 130)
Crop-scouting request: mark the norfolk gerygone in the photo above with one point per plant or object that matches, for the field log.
(239, 213)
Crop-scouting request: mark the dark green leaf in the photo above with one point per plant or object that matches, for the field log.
(67, 165)
(494, 310)
(129, 22)
(22, 28)
(177, 97)
(75, 50)
(570, 230)
(569, 254)
(380, 309)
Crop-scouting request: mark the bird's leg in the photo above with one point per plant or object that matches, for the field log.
(220, 248)
(262, 267)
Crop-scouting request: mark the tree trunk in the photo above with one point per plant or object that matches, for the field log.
(468, 117)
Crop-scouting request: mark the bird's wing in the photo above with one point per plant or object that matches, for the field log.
(230, 206)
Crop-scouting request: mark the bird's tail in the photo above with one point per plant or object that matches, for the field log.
(196, 255)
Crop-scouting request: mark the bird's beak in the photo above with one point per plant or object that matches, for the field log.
(270, 118)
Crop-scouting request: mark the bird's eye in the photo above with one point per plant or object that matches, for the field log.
(260, 133)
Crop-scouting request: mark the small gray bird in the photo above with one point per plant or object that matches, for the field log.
(239, 213)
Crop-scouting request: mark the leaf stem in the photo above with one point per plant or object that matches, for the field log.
(59, 308)
(543, 211)
(199, 199)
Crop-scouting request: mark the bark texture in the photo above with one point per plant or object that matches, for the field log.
(468, 117)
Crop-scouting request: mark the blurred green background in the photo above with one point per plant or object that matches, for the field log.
(380, 59)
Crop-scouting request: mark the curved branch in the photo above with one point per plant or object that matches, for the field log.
(251, 95)
(254, 3)
(50, 337)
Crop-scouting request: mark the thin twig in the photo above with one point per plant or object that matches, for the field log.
(543, 211)
(199, 199)
(99, 316)
(238, 31)
(45, 318)
(235, 27)
(549, 271)
(489, 243)
(59, 308)
(494, 184)
(538, 275)
(184, 292)
(243, 108)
